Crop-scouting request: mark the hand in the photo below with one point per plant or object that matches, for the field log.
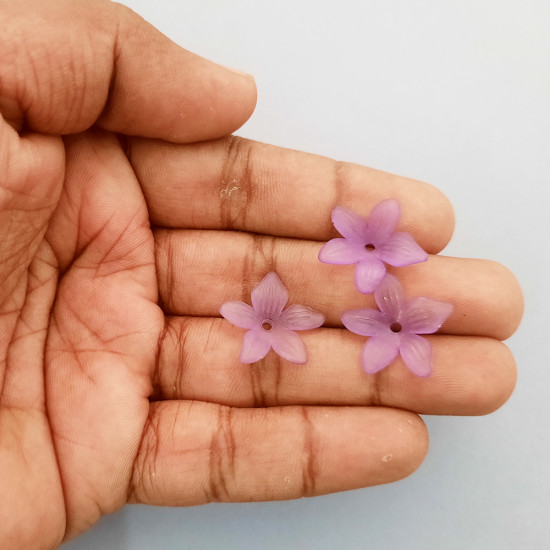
(119, 382)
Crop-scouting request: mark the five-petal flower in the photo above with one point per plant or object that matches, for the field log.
(371, 244)
(269, 324)
(395, 328)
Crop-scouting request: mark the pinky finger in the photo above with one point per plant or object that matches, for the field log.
(194, 452)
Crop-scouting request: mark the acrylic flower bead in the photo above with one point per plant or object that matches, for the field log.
(371, 243)
(269, 324)
(395, 328)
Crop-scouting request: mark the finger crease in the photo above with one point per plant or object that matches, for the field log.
(309, 472)
(222, 457)
(236, 189)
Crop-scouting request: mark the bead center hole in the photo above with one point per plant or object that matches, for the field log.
(396, 327)
(266, 325)
(370, 247)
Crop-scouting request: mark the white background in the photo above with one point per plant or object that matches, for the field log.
(456, 93)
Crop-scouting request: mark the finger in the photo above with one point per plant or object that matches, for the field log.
(199, 360)
(66, 65)
(244, 185)
(486, 297)
(194, 452)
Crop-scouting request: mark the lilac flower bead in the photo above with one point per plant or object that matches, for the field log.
(269, 324)
(371, 244)
(395, 329)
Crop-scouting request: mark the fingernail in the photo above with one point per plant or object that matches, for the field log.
(239, 72)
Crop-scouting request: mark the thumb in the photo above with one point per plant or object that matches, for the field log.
(68, 64)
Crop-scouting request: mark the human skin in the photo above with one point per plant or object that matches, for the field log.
(128, 214)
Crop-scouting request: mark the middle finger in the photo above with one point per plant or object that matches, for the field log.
(199, 270)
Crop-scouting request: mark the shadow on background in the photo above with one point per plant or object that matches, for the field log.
(109, 534)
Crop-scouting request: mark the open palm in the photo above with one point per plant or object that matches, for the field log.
(118, 242)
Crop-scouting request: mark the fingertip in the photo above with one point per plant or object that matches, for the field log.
(500, 297)
(249, 92)
(167, 92)
(448, 220)
(509, 377)
(390, 444)
(411, 443)
(497, 382)
(226, 100)
(513, 303)
(436, 226)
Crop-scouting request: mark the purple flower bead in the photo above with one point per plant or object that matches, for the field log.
(269, 324)
(371, 244)
(395, 329)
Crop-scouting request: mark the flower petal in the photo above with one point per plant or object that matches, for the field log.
(425, 316)
(401, 249)
(416, 352)
(239, 314)
(368, 274)
(383, 219)
(349, 224)
(297, 317)
(288, 345)
(341, 252)
(270, 296)
(390, 297)
(255, 346)
(379, 352)
(366, 322)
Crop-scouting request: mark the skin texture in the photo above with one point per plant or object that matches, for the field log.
(127, 216)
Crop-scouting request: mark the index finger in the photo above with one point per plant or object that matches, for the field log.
(238, 184)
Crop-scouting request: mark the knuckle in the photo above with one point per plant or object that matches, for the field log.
(260, 258)
(221, 454)
(309, 465)
(265, 382)
(237, 183)
(376, 389)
